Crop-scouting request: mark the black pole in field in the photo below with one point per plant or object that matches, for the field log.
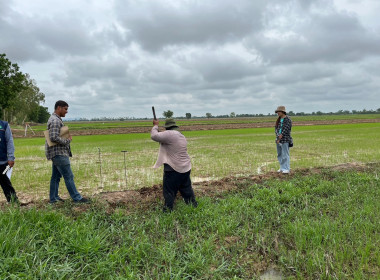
(154, 113)
(125, 169)
(100, 169)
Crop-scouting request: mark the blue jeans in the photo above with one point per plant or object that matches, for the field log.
(283, 156)
(61, 167)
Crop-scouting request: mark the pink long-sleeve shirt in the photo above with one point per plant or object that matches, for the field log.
(173, 149)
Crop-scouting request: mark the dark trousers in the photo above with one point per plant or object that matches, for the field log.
(6, 184)
(174, 182)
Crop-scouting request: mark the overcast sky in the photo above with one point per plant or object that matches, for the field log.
(118, 58)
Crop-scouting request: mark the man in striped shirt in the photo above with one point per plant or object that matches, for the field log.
(177, 165)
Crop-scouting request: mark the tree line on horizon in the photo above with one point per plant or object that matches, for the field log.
(20, 98)
(170, 114)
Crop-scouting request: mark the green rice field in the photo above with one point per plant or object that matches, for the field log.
(215, 154)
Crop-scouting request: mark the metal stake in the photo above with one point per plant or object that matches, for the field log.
(125, 169)
(100, 169)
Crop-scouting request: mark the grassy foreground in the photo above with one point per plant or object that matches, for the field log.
(320, 226)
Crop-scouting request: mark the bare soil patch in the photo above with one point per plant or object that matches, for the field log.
(147, 197)
(125, 130)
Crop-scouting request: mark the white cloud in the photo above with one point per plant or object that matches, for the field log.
(121, 57)
(155, 25)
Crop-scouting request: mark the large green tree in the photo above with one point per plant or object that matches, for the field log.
(12, 81)
(43, 114)
(26, 104)
(20, 98)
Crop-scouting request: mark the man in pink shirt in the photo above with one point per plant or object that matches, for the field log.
(177, 165)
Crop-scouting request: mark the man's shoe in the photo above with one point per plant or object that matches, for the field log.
(285, 171)
(83, 200)
(58, 200)
(279, 171)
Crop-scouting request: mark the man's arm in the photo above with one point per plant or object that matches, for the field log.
(54, 131)
(10, 146)
(160, 137)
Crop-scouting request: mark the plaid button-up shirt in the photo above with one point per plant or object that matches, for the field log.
(63, 145)
(285, 129)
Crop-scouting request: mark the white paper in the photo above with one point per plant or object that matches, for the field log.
(9, 173)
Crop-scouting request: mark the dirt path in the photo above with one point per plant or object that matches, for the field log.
(147, 197)
(126, 130)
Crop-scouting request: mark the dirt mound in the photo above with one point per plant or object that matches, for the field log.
(143, 195)
(125, 130)
(148, 196)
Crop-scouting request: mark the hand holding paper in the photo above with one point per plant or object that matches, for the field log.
(64, 133)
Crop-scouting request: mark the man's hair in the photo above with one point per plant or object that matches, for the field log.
(60, 103)
(172, 128)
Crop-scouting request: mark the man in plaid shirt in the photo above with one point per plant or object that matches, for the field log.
(59, 155)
